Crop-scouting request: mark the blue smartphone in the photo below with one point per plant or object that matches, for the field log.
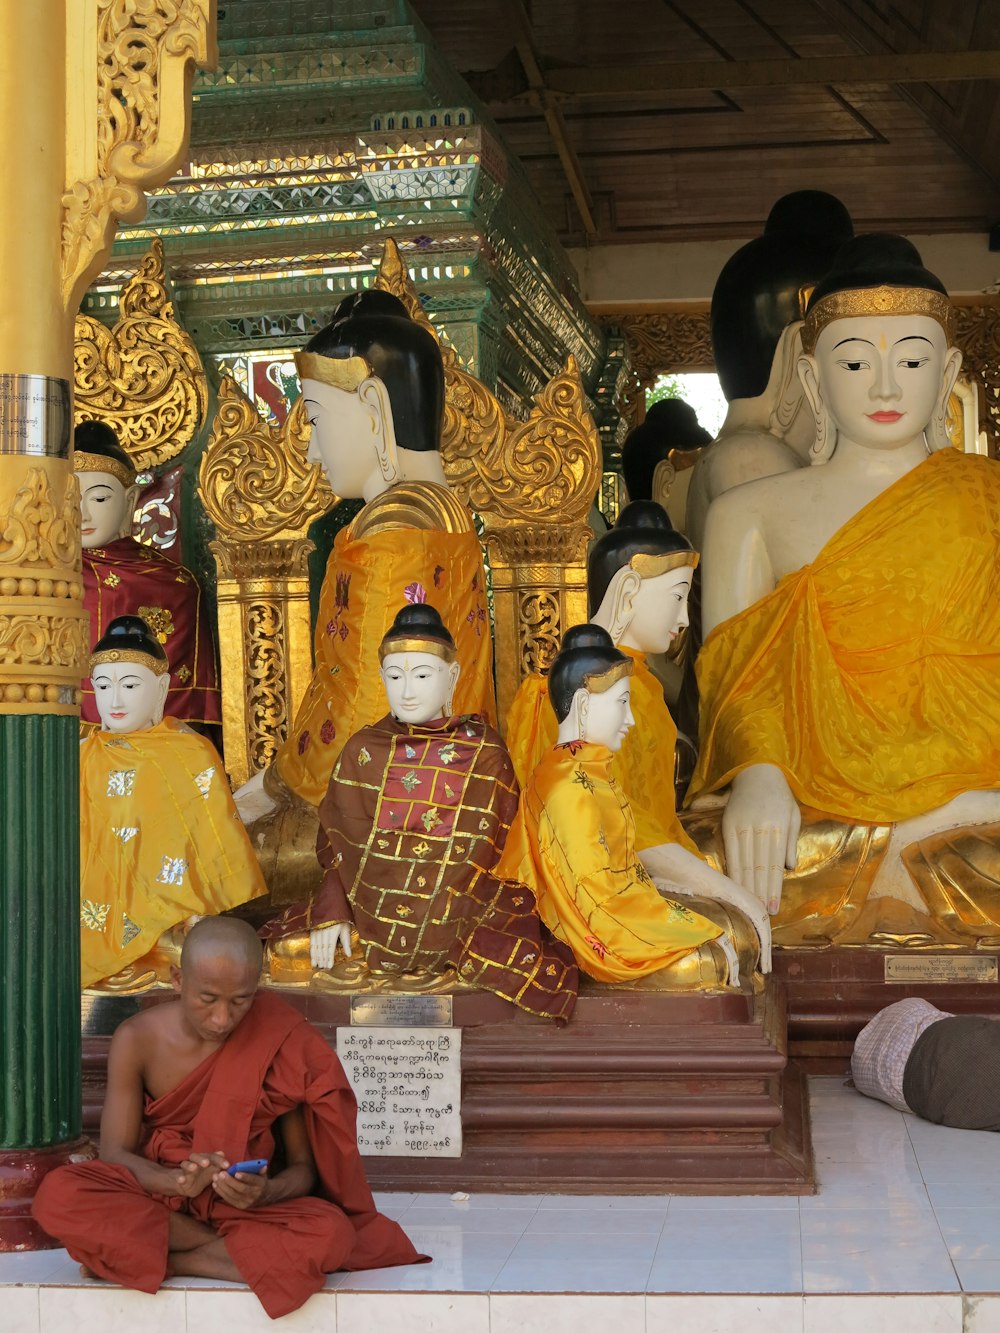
(253, 1168)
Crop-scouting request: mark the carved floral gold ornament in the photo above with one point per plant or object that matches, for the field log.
(144, 376)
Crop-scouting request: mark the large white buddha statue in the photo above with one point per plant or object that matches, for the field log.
(757, 309)
(849, 677)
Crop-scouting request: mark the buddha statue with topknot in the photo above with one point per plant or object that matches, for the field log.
(574, 844)
(850, 707)
(160, 839)
(122, 576)
(411, 829)
(373, 386)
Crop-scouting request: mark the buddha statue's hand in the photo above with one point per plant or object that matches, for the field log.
(252, 800)
(323, 943)
(684, 873)
(760, 830)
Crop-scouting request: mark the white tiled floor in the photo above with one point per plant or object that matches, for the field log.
(904, 1234)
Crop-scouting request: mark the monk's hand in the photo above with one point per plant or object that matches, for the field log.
(242, 1190)
(323, 943)
(198, 1171)
(760, 830)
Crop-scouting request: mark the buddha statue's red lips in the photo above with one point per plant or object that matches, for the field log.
(887, 417)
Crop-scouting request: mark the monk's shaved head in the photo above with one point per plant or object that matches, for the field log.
(222, 937)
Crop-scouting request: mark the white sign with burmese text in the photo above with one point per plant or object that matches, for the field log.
(408, 1082)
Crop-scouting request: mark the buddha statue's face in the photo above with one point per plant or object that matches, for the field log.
(607, 716)
(348, 432)
(129, 697)
(882, 377)
(419, 686)
(105, 509)
(659, 611)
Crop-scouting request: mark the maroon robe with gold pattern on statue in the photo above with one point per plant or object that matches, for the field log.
(125, 578)
(411, 828)
(273, 1062)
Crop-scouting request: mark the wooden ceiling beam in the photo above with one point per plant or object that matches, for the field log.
(712, 75)
(525, 44)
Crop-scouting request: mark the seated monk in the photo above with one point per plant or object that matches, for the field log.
(160, 839)
(849, 674)
(120, 576)
(411, 829)
(223, 1075)
(638, 579)
(373, 382)
(573, 842)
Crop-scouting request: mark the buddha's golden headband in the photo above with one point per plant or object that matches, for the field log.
(650, 566)
(435, 647)
(84, 462)
(345, 373)
(862, 302)
(116, 656)
(599, 681)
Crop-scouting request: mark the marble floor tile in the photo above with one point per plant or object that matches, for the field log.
(982, 1314)
(394, 1205)
(563, 1275)
(585, 1247)
(771, 1273)
(403, 1312)
(602, 1202)
(19, 1309)
(972, 1236)
(32, 1266)
(478, 1202)
(107, 1309)
(700, 1203)
(880, 1314)
(742, 1235)
(509, 1220)
(558, 1313)
(572, 1221)
(215, 1310)
(723, 1314)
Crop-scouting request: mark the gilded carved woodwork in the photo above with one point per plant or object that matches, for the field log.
(43, 627)
(261, 494)
(143, 376)
(532, 482)
(134, 117)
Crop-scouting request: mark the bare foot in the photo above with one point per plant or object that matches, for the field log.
(211, 1260)
(89, 1272)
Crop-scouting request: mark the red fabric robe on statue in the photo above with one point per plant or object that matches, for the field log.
(274, 1061)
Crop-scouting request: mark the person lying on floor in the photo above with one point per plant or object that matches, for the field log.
(943, 1067)
(223, 1075)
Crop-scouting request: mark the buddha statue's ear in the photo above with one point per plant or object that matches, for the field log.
(822, 447)
(579, 712)
(937, 428)
(131, 500)
(784, 389)
(162, 686)
(375, 398)
(454, 671)
(615, 611)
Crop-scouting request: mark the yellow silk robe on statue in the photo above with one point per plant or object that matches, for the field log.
(644, 766)
(160, 840)
(573, 843)
(871, 677)
(369, 578)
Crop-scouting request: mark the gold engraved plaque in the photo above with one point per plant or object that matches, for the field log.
(967, 969)
(386, 1011)
(34, 416)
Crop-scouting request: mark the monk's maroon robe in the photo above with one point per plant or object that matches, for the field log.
(273, 1062)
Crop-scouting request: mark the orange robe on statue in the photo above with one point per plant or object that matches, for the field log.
(644, 766)
(126, 578)
(871, 677)
(573, 844)
(273, 1062)
(379, 562)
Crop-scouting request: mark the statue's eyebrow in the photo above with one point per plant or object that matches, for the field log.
(866, 341)
(914, 338)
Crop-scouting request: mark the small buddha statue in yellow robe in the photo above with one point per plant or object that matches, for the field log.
(573, 843)
(160, 838)
(373, 384)
(849, 677)
(638, 579)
